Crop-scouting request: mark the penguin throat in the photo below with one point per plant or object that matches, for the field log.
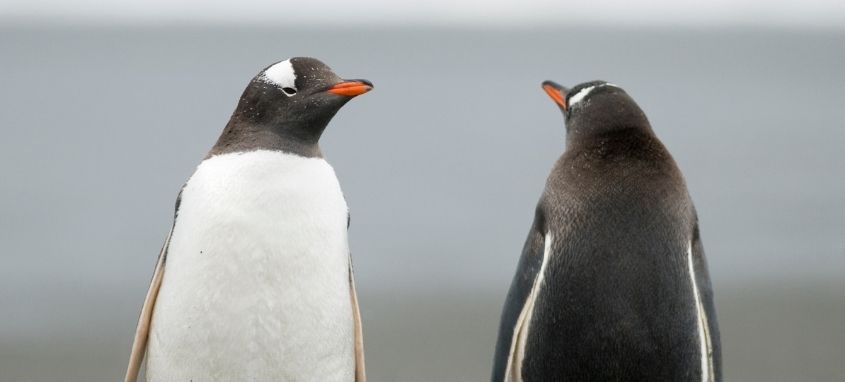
(293, 138)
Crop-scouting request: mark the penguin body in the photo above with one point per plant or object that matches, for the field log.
(612, 284)
(255, 281)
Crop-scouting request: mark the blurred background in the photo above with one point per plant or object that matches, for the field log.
(106, 109)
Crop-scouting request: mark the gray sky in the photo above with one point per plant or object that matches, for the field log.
(789, 13)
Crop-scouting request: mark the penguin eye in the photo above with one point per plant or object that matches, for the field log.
(289, 91)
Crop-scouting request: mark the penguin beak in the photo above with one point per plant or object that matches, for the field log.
(556, 92)
(351, 88)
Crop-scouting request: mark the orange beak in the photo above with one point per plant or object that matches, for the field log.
(351, 88)
(556, 92)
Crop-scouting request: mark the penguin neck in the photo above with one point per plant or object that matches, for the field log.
(592, 126)
(289, 137)
(618, 141)
(578, 135)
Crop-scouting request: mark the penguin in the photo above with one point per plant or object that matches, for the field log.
(612, 283)
(254, 281)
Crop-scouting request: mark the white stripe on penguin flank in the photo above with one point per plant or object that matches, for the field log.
(705, 346)
(513, 371)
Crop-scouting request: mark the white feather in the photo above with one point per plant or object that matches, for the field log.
(580, 95)
(256, 284)
(585, 92)
(706, 354)
(281, 75)
(513, 371)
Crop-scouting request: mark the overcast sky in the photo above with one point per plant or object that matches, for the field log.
(790, 13)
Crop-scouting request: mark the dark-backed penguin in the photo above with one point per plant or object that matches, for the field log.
(612, 284)
(254, 282)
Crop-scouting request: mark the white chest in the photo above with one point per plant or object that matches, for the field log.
(256, 283)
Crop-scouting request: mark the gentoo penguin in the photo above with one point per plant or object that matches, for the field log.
(612, 284)
(254, 282)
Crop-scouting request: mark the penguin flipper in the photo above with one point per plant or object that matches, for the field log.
(520, 301)
(705, 289)
(360, 374)
(142, 331)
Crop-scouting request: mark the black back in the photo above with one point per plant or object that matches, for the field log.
(616, 303)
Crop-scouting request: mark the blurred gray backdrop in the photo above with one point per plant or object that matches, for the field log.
(441, 164)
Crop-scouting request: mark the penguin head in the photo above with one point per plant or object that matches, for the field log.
(295, 98)
(596, 107)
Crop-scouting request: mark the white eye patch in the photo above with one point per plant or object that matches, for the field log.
(283, 76)
(580, 95)
(586, 91)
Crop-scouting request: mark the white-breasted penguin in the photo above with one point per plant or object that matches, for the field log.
(254, 282)
(612, 284)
